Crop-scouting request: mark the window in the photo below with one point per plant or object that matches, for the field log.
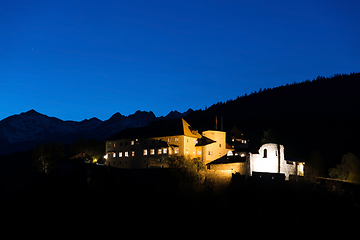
(132, 142)
(176, 139)
(145, 152)
(210, 153)
(176, 150)
(159, 151)
(165, 151)
(265, 153)
(126, 154)
(187, 151)
(169, 140)
(114, 144)
(132, 153)
(219, 144)
(114, 154)
(199, 152)
(120, 154)
(152, 151)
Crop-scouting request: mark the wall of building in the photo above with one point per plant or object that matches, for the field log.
(238, 167)
(129, 153)
(269, 163)
(214, 150)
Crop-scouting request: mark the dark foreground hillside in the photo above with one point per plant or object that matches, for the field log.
(158, 200)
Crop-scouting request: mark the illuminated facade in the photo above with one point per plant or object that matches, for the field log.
(151, 146)
(270, 159)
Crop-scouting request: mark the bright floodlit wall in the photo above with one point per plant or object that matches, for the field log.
(267, 160)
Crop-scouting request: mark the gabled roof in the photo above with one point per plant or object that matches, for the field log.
(236, 134)
(228, 159)
(160, 128)
(204, 141)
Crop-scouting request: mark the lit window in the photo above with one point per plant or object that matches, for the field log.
(187, 151)
(132, 153)
(159, 151)
(210, 153)
(120, 154)
(165, 150)
(114, 144)
(176, 139)
(169, 139)
(126, 154)
(199, 152)
(176, 150)
(145, 151)
(132, 142)
(114, 154)
(152, 151)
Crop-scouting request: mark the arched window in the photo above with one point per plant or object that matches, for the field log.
(265, 153)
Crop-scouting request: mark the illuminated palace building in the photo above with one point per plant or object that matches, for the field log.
(152, 145)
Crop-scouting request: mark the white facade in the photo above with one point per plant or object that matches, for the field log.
(268, 158)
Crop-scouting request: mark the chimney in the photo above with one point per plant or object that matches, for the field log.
(222, 120)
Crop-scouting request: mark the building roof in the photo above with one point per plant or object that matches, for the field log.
(160, 128)
(228, 159)
(204, 141)
(236, 134)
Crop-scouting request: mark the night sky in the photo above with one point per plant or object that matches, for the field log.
(82, 59)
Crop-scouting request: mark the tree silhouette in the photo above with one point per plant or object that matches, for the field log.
(348, 169)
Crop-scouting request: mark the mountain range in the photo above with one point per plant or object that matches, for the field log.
(25, 130)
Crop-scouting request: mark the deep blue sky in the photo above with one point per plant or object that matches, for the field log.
(82, 59)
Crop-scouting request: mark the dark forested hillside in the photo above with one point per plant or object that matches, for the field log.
(321, 115)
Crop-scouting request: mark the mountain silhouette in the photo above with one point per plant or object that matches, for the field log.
(24, 131)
